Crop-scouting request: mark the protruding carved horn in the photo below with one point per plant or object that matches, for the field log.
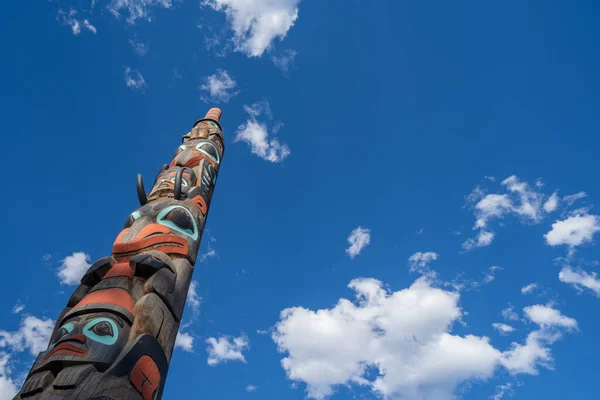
(141, 192)
(214, 115)
(177, 188)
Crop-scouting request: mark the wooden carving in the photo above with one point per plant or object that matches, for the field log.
(115, 338)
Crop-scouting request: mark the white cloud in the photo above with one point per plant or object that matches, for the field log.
(73, 268)
(419, 261)
(219, 87)
(137, 9)
(572, 198)
(483, 239)
(193, 299)
(535, 352)
(134, 80)
(504, 329)
(400, 343)
(580, 279)
(525, 359)
(501, 390)
(403, 335)
(256, 135)
(87, 25)
(529, 288)
(574, 231)
(68, 19)
(552, 203)
(33, 335)
(546, 316)
(184, 341)
(251, 388)
(139, 48)
(8, 388)
(285, 60)
(18, 308)
(359, 239)
(490, 275)
(509, 314)
(211, 252)
(521, 200)
(461, 284)
(530, 201)
(256, 23)
(226, 349)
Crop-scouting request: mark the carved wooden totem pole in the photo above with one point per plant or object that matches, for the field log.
(115, 338)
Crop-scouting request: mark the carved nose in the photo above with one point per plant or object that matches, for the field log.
(77, 337)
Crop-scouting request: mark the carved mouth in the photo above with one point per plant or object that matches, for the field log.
(168, 244)
(67, 349)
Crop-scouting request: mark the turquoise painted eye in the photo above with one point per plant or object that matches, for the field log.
(180, 219)
(102, 330)
(210, 150)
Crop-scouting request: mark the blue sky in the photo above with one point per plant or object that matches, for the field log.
(406, 207)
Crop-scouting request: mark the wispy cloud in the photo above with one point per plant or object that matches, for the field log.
(18, 308)
(68, 18)
(137, 9)
(219, 87)
(359, 239)
(256, 134)
(134, 80)
(138, 47)
(257, 23)
(33, 335)
(193, 299)
(529, 288)
(580, 279)
(251, 388)
(210, 252)
(419, 262)
(520, 200)
(285, 60)
(225, 348)
(509, 314)
(504, 329)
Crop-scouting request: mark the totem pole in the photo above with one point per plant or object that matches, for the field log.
(115, 338)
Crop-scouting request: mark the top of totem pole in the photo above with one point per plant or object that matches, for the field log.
(214, 115)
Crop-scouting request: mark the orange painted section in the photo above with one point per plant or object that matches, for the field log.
(116, 296)
(201, 203)
(167, 248)
(214, 113)
(145, 377)
(120, 269)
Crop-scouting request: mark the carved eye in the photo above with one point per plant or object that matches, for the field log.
(210, 150)
(102, 330)
(134, 216)
(63, 331)
(180, 219)
(184, 182)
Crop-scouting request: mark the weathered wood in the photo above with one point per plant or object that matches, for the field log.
(115, 338)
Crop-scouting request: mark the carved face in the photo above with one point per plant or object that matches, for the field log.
(190, 154)
(165, 182)
(168, 226)
(96, 338)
